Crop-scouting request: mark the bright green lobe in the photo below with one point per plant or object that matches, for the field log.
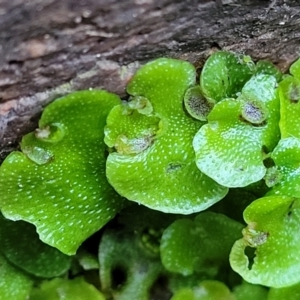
(229, 149)
(14, 284)
(224, 74)
(271, 239)
(61, 188)
(154, 159)
(222, 148)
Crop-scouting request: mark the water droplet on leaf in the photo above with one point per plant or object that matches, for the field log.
(38, 155)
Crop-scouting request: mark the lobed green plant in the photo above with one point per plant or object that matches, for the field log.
(186, 190)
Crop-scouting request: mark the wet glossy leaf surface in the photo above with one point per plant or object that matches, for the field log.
(224, 74)
(65, 194)
(157, 168)
(241, 123)
(268, 253)
(229, 148)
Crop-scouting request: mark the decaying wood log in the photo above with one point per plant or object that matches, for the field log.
(49, 48)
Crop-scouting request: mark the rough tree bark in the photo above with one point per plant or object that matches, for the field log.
(49, 48)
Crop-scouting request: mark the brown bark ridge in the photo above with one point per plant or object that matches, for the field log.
(49, 48)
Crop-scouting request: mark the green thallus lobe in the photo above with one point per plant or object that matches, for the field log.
(58, 181)
(273, 223)
(154, 161)
(229, 148)
(224, 74)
